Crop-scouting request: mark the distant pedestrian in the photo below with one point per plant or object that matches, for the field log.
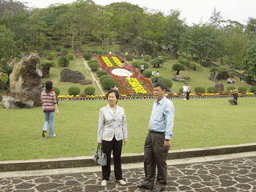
(110, 54)
(157, 73)
(123, 63)
(185, 90)
(235, 97)
(153, 73)
(49, 104)
(188, 91)
(155, 80)
(142, 68)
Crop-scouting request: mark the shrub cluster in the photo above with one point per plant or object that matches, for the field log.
(90, 90)
(56, 90)
(199, 89)
(166, 81)
(47, 64)
(212, 90)
(70, 56)
(147, 58)
(99, 73)
(63, 61)
(103, 77)
(205, 63)
(94, 65)
(147, 73)
(129, 57)
(230, 88)
(73, 91)
(107, 83)
(240, 89)
(87, 56)
(183, 60)
(252, 89)
(50, 56)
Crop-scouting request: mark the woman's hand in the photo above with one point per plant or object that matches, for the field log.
(99, 143)
(125, 141)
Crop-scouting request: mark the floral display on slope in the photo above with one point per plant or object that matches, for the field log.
(139, 84)
(136, 86)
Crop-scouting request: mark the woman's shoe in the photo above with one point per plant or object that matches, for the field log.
(43, 134)
(104, 183)
(121, 182)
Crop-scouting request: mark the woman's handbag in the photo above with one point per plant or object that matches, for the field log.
(99, 156)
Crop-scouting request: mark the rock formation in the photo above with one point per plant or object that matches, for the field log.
(26, 84)
(67, 75)
(180, 78)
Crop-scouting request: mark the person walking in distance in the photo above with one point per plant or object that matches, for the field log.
(157, 142)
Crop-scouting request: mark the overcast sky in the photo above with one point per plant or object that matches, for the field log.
(192, 10)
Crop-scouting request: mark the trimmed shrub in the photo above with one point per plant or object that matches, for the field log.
(70, 56)
(199, 89)
(230, 88)
(146, 65)
(50, 56)
(147, 73)
(178, 67)
(56, 90)
(252, 89)
(63, 62)
(94, 65)
(240, 89)
(205, 63)
(232, 74)
(87, 56)
(73, 91)
(99, 73)
(90, 90)
(212, 90)
(47, 64)
(167, 82)
(165, 58)
(248, 79)
(156, 62)
(108, 83)
(153, 77)
(129, 57)
(147, 58)
(58, 49)
(136, 64)
(103, 77)
(183, 60)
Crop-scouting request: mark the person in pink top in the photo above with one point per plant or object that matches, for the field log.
(49, 104)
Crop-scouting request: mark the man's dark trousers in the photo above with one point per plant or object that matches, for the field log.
(155, 154)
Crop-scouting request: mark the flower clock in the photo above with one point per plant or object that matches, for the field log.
(129, 80)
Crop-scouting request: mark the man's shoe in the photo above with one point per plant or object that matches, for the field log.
(121, 182)
(144, 187)
(43, 134)
(104, 183)
(157, 190)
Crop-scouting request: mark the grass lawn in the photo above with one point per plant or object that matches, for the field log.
(198, 123)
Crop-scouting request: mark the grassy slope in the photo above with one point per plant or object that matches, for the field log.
(198, 123)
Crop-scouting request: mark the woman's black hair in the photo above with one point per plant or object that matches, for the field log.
(48, 86)
(116, 93)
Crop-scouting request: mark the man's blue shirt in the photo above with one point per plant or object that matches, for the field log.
(162, 117)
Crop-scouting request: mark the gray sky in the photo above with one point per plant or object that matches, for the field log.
(192, 10)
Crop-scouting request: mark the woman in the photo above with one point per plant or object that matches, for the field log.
(112, 132)
(49, 103)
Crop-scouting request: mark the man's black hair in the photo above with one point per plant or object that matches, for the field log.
(161, 85)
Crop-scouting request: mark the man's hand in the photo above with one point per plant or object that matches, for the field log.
(167, 144)
(99, 143)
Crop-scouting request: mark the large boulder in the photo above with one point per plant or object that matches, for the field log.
(17, 101)
(67, 75)
(180, 78)
(26, 77)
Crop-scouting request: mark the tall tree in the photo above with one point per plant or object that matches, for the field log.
(251, 26)
(215, 19)
(201, 41)
(8, 46)
(173, 31)
(249, 58)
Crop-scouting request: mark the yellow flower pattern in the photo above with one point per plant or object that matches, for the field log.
(106, 60)
(116, 60)
(137, 87)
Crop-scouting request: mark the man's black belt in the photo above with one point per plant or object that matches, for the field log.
(157, 132)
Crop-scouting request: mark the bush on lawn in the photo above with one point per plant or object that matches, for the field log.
(99, 73)
(147, 73)
(108, 83)
(73, 91)
(240, 89)
(56, 90)
(212, 90)
(90, 90)
(199, 89)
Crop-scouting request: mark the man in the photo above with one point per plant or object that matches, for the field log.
(235, 97)
(185, 90)
(157, 141)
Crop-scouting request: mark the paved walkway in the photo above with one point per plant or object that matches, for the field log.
(233, 172)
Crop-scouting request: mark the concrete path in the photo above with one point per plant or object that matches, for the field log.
(232, 172)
